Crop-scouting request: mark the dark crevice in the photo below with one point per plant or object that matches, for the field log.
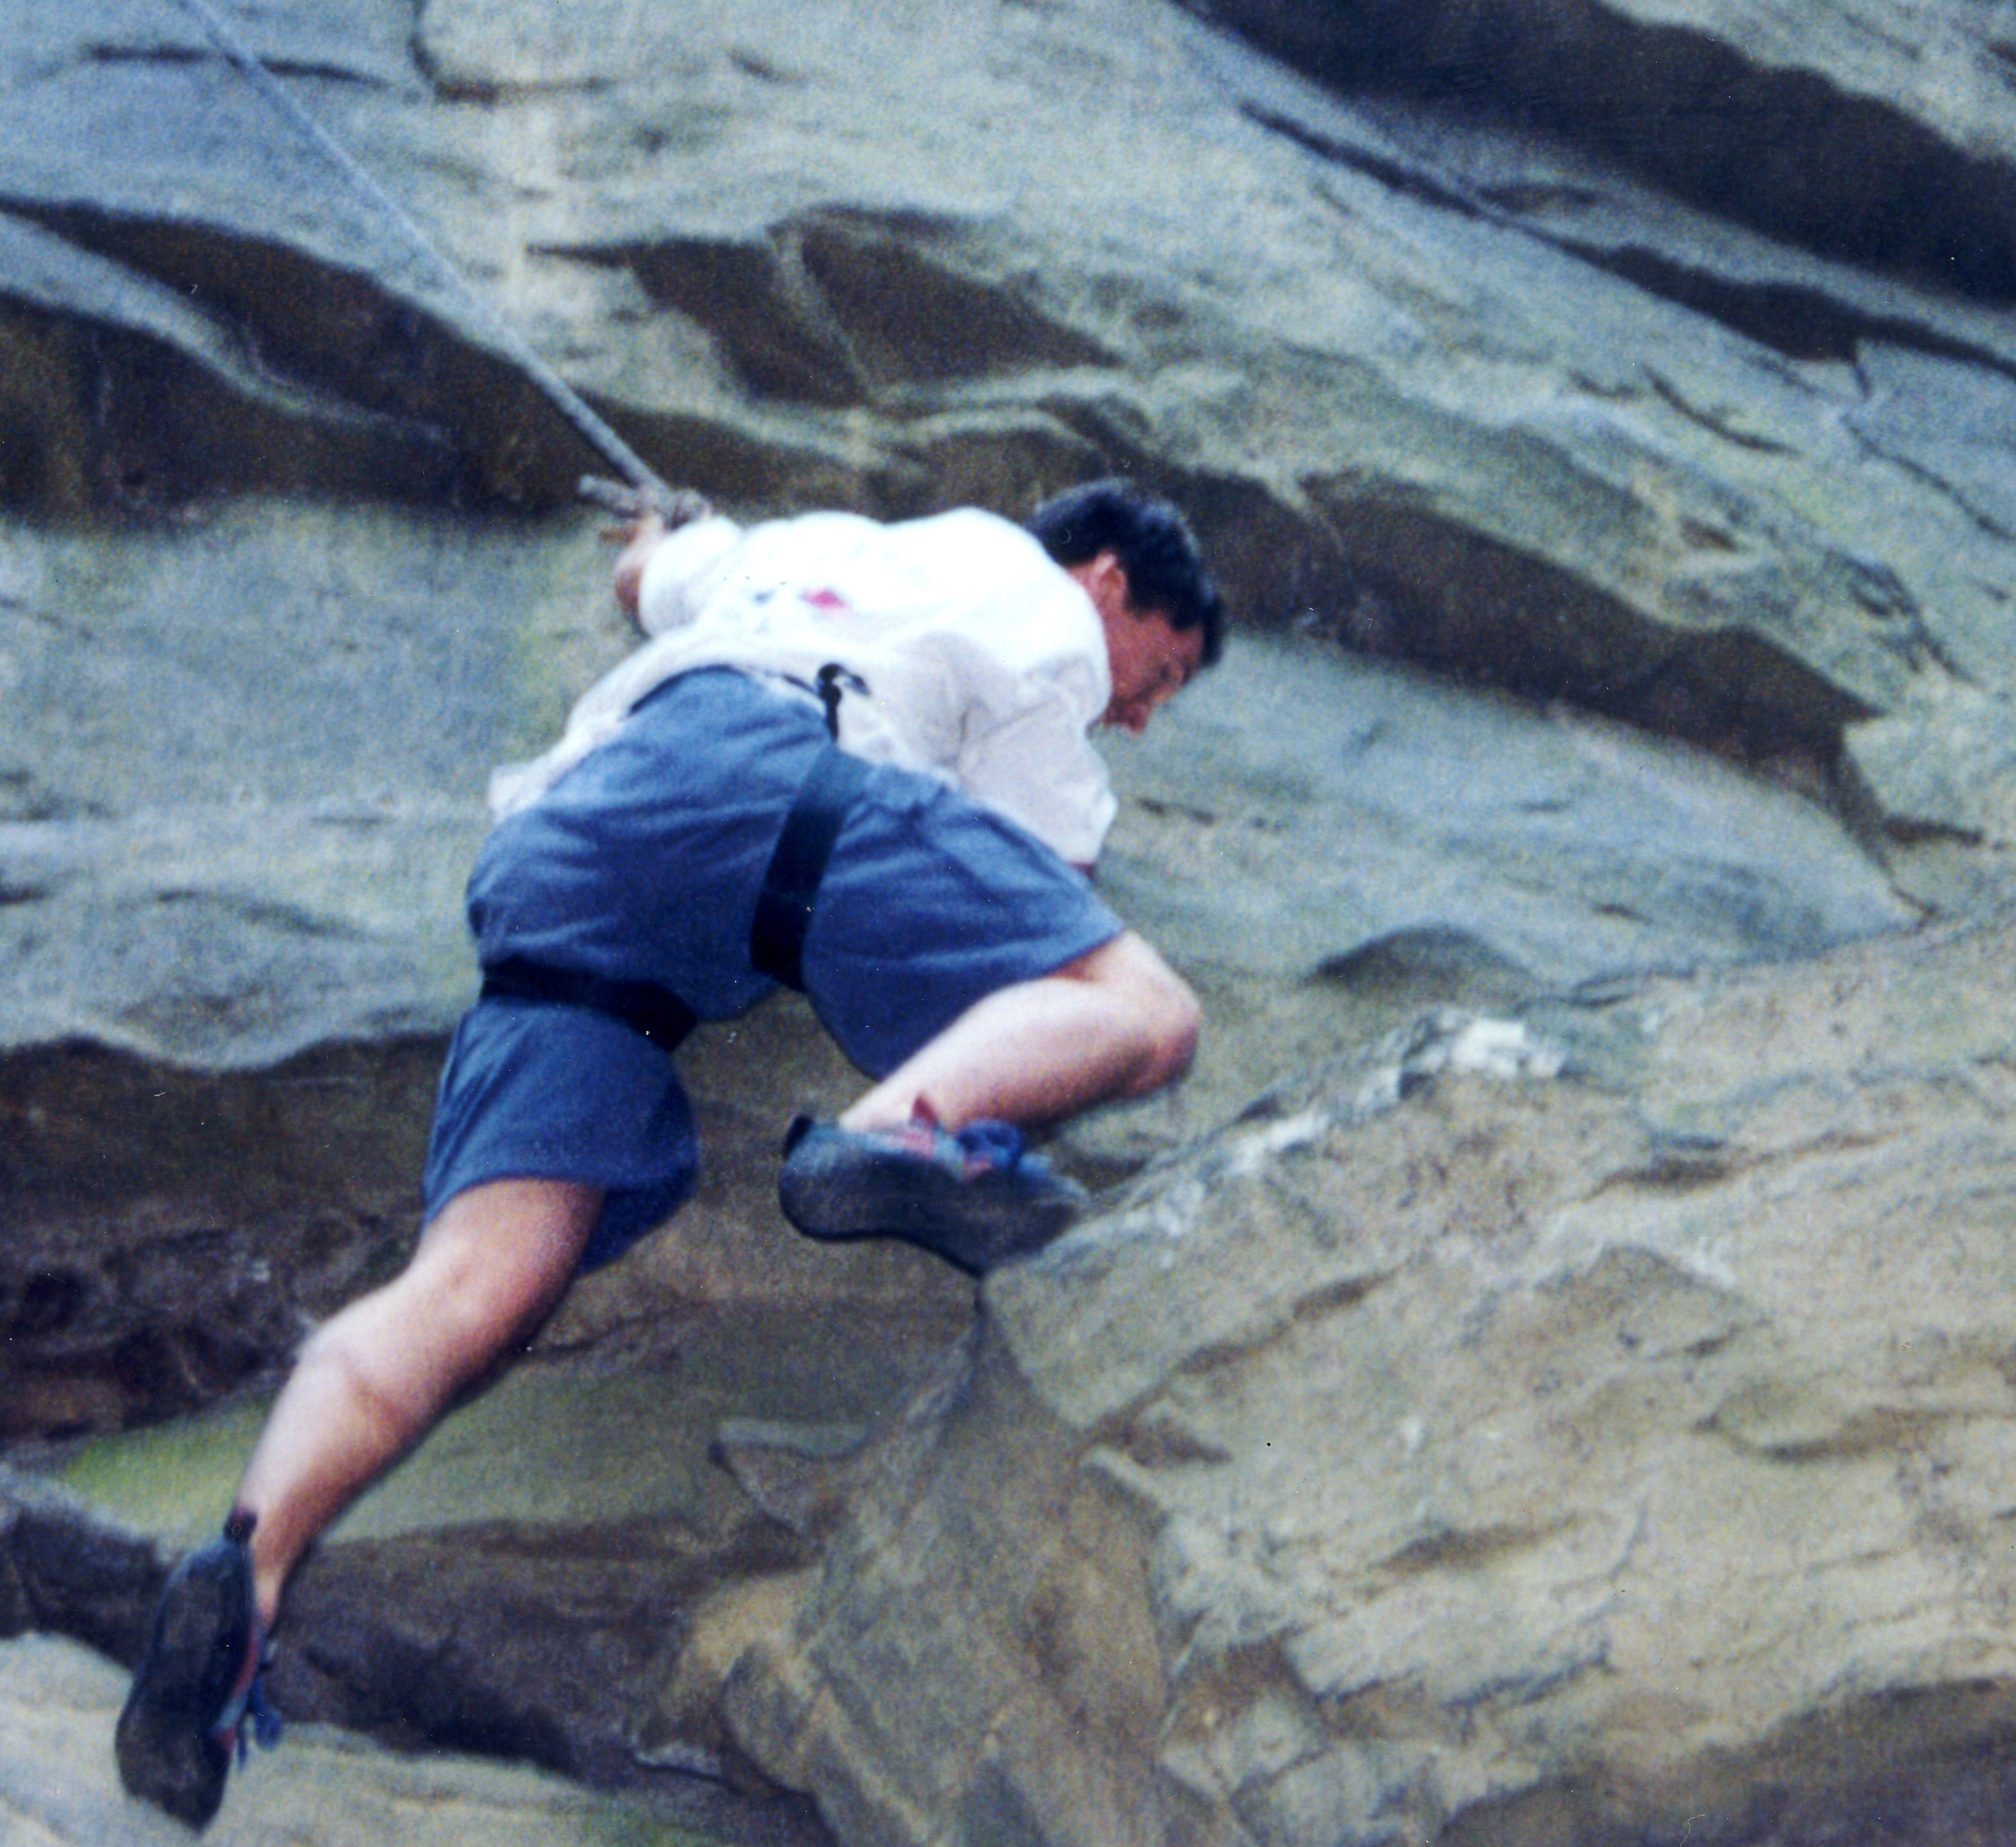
(1800, 323)
(1379, 575)
(1409, 182)
(1484, 613)
(327, 73)
(1940, 485)
(128, 54)
(839, 309)
(913, 317)
(754, 299)
(750, 64)
(423, 63)
(1466, 1549)
(226, 1208)
(192, 54)
(1785, 151)
(323, 376)
(467, 90)
(123, 422)
(1716, 426)
(485, 91)
(1797, 321)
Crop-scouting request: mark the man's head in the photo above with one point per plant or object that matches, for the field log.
(1139, 561)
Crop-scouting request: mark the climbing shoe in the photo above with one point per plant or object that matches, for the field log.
(976, 1197)
(197, 1696)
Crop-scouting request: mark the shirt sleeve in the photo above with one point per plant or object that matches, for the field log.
(681, 572)
(1039, 768)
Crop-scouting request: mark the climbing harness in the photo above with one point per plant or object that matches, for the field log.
(645, 491)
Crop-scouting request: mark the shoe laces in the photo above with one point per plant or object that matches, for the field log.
(983, 1147)
(996, 1147)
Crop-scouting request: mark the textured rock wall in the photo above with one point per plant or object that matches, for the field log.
(1600, 414)
(1881, 138)
(1514, 396)
(1493, 1439)
(285, 565)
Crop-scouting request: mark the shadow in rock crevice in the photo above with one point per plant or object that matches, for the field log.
(1784, 150)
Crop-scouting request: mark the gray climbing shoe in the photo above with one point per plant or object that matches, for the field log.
(976, 1197)
(196, 1696)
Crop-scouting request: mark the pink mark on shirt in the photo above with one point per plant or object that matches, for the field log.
(827, 600)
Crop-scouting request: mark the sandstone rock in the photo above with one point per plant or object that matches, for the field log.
(1328, 846)
(1613, 1437)
(1826, 124)
(1642, 364)
(1911, 761)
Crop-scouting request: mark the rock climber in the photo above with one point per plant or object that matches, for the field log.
(851, 757)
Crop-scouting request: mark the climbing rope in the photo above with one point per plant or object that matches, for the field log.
(644, 491)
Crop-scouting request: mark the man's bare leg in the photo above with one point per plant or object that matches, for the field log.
(1118, 1022)
(373, 1380)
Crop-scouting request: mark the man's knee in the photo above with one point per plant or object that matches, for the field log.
(1167, 1011)
(497, 1258)
(488, 1268)
(1177, 1019)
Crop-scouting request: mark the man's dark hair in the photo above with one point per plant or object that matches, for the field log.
(1155, 546)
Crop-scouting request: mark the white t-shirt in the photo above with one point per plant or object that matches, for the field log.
(974, 657)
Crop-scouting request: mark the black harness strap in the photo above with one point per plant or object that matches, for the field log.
(790, 886)
(797, 863)
(644, 1006)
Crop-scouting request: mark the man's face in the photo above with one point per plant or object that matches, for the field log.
(1151, 661)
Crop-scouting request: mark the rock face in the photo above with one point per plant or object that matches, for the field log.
(1599, 412)
(1494, 1439)
(1883, 148)
(1479, 397)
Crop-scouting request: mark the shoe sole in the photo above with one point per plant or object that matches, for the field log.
(833, 1189)
(167, 1751)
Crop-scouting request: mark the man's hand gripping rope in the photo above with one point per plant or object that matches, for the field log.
(673, 507)
(649, 511)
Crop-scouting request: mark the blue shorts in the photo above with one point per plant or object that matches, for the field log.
(644, 863)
